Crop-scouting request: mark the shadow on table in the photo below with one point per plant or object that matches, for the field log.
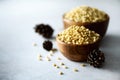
(111, 47)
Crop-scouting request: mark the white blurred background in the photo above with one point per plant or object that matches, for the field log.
(18, 57)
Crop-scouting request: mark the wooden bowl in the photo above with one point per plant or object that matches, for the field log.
(76, 52)
(98, 27)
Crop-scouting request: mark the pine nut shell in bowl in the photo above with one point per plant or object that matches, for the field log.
(76, 42)
(89, 17)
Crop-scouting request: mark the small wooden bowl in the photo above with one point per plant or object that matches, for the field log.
(98, 27)
(76, 52)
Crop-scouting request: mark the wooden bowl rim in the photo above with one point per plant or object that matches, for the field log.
(86, 23)
(59, 41)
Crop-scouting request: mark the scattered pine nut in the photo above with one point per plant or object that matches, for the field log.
(75, 70)
(54, 65)
(62, 64)
(48, 59)
(83, 65)
(51, 51)
(61, 73)
(51, 54)
(54, 49)
(57, 67)
(65, 67)
(34, 44)
(59, 58)
(39, 57)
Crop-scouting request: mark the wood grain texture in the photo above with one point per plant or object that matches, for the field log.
(76, 52)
